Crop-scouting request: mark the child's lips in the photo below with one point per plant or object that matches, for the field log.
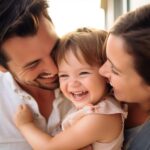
(80, 95)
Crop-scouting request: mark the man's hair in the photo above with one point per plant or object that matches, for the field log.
(19, 18)
(134, 29)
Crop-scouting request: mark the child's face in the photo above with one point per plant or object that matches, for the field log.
(80, 82)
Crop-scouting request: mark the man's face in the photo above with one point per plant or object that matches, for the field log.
(31, 61)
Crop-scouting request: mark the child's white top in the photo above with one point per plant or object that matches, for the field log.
(107, 106)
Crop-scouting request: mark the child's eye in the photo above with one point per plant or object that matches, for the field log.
(63, 76)
(84, 73)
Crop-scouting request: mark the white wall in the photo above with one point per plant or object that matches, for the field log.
(68, 15)
(137, 3)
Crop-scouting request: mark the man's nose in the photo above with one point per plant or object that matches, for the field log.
(50, 66)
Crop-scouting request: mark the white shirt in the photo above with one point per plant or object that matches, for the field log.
(11, 95)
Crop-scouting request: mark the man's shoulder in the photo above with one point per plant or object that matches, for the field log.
(3, 78)
(6, 79)
(7, 86)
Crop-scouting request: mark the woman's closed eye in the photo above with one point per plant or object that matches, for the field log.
(114, 71)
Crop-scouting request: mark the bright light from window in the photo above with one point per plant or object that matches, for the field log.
(68, 15)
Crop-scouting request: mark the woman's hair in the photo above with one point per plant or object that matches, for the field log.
(84, 42)
(134, 29)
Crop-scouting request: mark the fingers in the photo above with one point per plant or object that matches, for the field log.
(23, 107)
(20, 108)
(23, 115)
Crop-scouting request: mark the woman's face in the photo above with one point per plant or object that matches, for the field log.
(119, 69)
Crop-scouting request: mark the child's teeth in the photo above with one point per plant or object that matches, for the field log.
(79, 93)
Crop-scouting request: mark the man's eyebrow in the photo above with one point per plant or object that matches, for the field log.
(113, 65)
(31, 63)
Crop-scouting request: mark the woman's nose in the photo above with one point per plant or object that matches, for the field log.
(104, 70)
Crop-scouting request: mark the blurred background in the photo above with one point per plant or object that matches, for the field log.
(68, 15)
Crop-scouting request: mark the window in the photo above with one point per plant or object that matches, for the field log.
(68, 15)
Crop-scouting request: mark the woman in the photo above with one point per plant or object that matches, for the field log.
(128, 70)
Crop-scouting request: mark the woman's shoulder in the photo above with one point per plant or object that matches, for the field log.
(138, 137)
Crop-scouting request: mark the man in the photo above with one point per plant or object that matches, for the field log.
(27, 45)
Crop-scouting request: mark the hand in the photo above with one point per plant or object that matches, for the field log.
(23, 116)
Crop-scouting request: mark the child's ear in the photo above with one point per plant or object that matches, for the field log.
(2, 69)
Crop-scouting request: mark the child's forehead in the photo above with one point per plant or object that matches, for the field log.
(75, 61)
(78, 55)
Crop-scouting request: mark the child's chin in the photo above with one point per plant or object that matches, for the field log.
(79, 106)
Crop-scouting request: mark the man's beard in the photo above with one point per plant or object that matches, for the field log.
(36, 83)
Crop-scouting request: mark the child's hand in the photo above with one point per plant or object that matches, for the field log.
(23, 115)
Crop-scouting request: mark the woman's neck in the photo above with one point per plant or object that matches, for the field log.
(136, 116)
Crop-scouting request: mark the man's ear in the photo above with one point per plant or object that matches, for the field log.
(2, 69)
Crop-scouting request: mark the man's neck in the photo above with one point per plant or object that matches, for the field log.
(44, 99)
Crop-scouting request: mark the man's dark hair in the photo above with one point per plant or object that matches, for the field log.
(19, 18)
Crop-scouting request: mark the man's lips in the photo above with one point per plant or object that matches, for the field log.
(48, 77)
